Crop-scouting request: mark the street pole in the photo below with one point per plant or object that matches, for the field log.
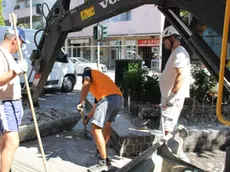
(98, 47)
(31, 19)
(98, 55)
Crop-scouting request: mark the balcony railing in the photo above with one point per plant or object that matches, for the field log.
(23, 12)
(24, 4)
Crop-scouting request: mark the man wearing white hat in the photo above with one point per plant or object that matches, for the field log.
(174, 80)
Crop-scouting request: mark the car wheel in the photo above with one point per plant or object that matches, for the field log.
(68, 84)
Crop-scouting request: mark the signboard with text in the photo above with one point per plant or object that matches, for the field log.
(150, 42)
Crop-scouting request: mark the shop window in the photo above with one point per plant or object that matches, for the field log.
(121, 17)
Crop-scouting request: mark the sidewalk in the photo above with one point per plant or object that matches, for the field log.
(67, 151)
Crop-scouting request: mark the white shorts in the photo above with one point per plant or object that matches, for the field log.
(170, 115)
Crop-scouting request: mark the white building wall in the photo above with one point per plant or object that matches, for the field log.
(9, 7)
(146, 19)
(23, 11)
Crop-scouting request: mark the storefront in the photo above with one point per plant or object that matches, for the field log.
(149, 49)
(120, 49)
(79, 48)
(116, 48)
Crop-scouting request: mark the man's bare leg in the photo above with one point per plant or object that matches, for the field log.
(100, 141)
(107, 131)
(11, 142)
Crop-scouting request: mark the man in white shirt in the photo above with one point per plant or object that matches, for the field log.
(174, 80)
(11, 110)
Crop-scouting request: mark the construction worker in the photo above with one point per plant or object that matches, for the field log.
(108, 103)
(11, 110)
(174, 80)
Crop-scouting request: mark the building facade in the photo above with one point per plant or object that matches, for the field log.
(131, 34)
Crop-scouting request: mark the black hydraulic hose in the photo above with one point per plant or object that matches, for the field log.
(35, 41)
(43, 10)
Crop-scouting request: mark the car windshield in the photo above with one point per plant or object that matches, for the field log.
(82, 60)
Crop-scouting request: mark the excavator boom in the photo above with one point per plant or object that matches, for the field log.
(61, 21)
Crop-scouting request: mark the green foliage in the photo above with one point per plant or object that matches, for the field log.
(37, 25)
(151, 89)
(2, 22)
(23, 25)
(140, 85)
(134, 80)
(184, 16)
(203, 84)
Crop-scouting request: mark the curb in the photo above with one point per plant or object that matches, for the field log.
(204, 138)
(27, 132)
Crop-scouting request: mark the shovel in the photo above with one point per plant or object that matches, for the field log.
(86, 132)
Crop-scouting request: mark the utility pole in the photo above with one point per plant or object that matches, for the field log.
(31, 18)
(98, 47)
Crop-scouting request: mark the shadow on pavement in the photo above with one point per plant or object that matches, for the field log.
(68, 146)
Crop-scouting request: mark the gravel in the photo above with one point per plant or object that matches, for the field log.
(45, 114)
(209, 161)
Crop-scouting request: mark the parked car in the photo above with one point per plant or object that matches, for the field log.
(63, 75)
(80, 64)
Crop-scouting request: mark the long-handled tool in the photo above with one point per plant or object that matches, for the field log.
(13, 22)
(86, 132)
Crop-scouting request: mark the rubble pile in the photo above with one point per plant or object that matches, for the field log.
(45, 114)
(147, 115)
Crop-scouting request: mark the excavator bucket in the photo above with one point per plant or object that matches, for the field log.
(159, 158)
(227, 160)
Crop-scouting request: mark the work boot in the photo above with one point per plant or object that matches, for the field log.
(104, 162)
(102, 165)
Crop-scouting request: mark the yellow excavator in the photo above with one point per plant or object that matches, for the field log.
(213, 13)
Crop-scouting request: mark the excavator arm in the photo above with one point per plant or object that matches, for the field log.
(61, 21)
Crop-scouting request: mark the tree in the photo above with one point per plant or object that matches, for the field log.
(23, 25)
(184, 15)
(2, 22)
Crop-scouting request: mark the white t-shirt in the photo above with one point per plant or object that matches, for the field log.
(12, 90)
(179, 58)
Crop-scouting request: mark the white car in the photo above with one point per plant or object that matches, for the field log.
(80, 64)
(62, 76)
